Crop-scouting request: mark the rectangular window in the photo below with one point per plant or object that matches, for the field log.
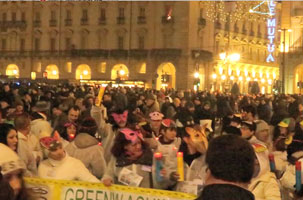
(67, 43)
(142, 12)
(141, 42)
(121, 12)
(201, 12)
(53, 15)
(120, 42)
(3, 44)
(102, 14)
(4, 17)
(13, 16)
(37, 16)
(68, 14)
(37, 44)
(84, 14)
(52, 44)
(22, 44)
(23, 16)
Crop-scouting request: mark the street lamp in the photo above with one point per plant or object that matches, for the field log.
(283, 60)
(196, 74)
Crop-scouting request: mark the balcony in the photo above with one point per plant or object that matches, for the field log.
(120, 20)
(141, 20)
(89, 53)
(119, 53)
(37, 23)
(102, 21)
(68, 22)
(84, 21)
(202, 22)
(13, 24)
(252, 33)
(202, 55)
(138, 53)
(166, 53)
(52, 22)
(167, 20)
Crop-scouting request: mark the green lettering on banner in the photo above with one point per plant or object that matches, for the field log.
(66, 194)
(105, 196)
(98, 192)
(140, 198)
(79, 192)
(87, 194)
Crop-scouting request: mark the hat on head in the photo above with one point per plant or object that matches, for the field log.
(249, 124)
(9, 160)
(284, 123)
(236, 119)
(42, 106)
(233, 130)
(261, 126)
(169, 123)
(155, 116)
(50, 143)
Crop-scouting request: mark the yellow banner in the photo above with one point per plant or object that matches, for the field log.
(46, 189)
(100, 96)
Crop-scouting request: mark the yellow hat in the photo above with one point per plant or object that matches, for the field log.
(284, 123)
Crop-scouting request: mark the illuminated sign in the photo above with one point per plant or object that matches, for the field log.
(271, 30)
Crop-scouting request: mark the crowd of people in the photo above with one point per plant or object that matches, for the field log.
(224, 140)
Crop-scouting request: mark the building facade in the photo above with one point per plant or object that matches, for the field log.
(241, 49)
(163, 44)
(292, 25)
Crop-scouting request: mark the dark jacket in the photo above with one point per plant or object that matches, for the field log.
(225, 192)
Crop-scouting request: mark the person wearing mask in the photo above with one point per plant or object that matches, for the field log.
(60, 165)
(131, 162)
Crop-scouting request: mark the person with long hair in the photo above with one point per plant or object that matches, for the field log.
(11, 176)
(8, 136)
(131, 162)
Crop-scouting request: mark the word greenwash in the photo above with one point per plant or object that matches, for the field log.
(95, 194)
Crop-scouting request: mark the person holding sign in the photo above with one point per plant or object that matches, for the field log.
(192, 151)
(60, 165)
(132, 161)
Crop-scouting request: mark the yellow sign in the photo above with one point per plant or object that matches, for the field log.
(46, 189)
(100, 96)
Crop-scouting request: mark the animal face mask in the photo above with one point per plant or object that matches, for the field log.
(131, 135)
(197, 136)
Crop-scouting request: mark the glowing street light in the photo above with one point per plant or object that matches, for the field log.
(54, 72)
(122, 72)
(196, 74)
(223, 77)
(15, 72)
(85, 72)
(222, 56)
(234, 57)
(214, 76)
